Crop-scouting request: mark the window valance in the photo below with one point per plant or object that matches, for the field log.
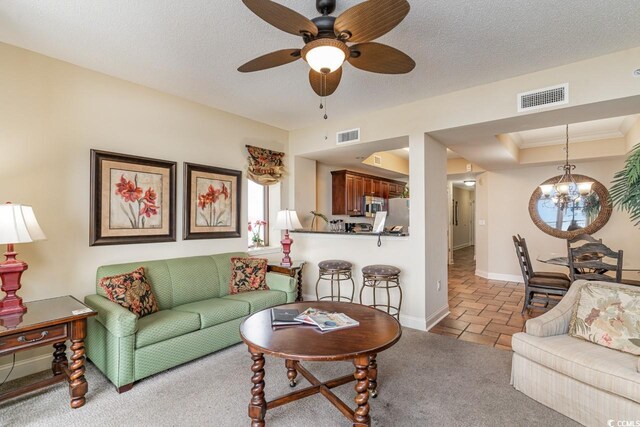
(265, 166)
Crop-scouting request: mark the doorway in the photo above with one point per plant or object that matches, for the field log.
(461, 225)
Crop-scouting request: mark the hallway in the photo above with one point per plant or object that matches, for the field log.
(482, 311)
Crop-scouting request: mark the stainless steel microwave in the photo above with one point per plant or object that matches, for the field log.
(372, 204)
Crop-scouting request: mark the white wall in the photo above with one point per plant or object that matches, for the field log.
(434, 212)
(52, 113)
(503, 199)
(304, 200)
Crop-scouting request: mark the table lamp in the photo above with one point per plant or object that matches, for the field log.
(287, 220)
(17, 225)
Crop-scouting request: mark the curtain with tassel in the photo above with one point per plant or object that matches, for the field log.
(265, 166)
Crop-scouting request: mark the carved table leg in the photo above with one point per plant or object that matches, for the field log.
(78, 386)
(258, 404)
(59, 358)
(77, 383)
(373, 376)
(292, 373)
(361, 415)
(299, 284)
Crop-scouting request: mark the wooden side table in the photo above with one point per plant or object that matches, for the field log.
(50, 322)
(295, 271)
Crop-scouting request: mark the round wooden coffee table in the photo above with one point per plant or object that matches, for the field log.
(377, 332)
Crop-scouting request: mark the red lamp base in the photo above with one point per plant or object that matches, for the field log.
(286, 249)
(10, 272)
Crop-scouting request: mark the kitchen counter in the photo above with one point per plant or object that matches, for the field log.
(344, 233)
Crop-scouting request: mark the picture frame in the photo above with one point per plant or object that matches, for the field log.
(133, 199)
(212, 202)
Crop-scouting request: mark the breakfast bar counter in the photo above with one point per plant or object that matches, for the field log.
(350, 234)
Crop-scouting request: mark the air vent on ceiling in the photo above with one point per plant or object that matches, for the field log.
(377, 160)
(542, 98)
(346, 136)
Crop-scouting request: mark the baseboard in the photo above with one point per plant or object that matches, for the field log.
(499, 276)
(413, 322)
(436, 317)
(462, 246)
(405, 320)
(26, 366)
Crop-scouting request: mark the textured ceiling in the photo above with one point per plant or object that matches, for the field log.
(192, 48)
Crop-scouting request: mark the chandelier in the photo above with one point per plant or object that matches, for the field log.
(566, 192)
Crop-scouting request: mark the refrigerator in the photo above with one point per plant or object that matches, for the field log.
(398, 213)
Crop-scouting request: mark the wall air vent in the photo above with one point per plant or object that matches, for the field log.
(542, 98)
(377, 160)
(347, 136)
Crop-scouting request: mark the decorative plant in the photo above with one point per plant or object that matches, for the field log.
(255, 230)
(317, 215)
(591, 205)
(625, 192)
(139, 206)
(213, 204)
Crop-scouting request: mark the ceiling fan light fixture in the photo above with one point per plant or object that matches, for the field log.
(325, 55)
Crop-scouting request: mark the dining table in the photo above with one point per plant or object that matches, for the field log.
(563, 260)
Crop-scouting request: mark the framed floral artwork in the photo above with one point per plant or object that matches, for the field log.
(212, 199)
(133, 199)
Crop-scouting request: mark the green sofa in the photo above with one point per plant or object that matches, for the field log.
(197, 316)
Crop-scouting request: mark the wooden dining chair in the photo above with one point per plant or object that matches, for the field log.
(588, 262)
(580, 240)
(538, 283)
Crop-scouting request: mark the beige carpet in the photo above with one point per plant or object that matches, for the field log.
(424, 380)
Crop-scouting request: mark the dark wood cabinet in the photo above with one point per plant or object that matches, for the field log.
(348, 189)
(384, 189)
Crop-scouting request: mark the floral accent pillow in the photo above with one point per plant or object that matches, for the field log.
(132, 291)
(248, 274)
(608, 316)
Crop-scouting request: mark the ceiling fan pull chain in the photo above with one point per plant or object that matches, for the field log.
(326, 109)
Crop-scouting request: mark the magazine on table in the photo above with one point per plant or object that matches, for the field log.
(325, 320)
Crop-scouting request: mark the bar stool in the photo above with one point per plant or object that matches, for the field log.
(382, 277)
(336, 271)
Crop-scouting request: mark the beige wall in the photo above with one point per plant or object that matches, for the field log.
(389, 162)
(52, 113)
(462, 232)
(503, 199)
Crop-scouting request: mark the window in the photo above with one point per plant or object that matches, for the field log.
(258, 214)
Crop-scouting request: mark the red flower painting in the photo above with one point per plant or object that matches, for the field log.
(213, 205)
(135, 206)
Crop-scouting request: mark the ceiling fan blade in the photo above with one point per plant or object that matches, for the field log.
(270, 60)
(380, 58)
(282, 17)
(369, 20)
(325, 86)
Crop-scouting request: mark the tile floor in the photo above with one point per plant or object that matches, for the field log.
(482, 311)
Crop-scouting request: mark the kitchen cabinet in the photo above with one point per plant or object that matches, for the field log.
(384, 189)
(354, 192)
(348, 188)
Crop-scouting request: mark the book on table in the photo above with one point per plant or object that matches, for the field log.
(284, 316)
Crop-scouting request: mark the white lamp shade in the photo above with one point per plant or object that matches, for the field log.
(546, 189)
(563, 187)
(18, 224)
(325, 58)
(584, 188)
(288, 220)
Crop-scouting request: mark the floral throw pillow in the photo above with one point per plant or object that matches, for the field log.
(608, 316)
(248, 274)
(132, 291)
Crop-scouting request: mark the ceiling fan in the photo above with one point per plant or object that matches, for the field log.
(329, 41)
